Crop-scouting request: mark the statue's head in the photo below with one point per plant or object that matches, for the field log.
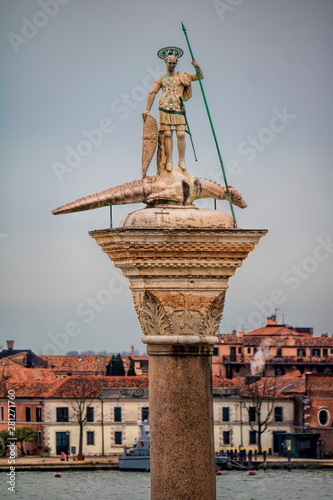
(171, 62)
(170, 56)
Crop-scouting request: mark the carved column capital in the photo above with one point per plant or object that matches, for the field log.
(178, 277)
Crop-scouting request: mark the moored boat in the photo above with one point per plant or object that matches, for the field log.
(137, 457)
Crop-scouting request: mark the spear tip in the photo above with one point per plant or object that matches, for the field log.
(184, 29)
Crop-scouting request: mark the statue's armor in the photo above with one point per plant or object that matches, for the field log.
(170, 107)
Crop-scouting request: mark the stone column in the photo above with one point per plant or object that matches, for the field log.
(178, 262)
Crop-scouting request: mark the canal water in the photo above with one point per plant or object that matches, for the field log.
(116, 485)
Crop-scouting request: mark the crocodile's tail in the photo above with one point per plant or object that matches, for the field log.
(130, 192)
(211, 189)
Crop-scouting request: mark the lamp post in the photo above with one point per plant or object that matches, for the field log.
(241, 422)
(68, 448)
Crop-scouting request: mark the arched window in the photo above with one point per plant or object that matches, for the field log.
(323, 416)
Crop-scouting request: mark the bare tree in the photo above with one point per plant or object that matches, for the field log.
(82, 408)
(259, 401)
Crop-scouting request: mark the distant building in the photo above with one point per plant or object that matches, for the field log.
(280, 349)
(112, 405)
(318, 410)
(23, 356)
(48, 390)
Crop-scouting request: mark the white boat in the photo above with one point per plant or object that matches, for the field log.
(137, 457)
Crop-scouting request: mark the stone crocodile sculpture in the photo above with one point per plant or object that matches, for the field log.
(177, 187)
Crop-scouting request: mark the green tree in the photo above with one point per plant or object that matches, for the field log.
(131, 371)
(4, 435)
(2, 447)
(115, 367)
(23, 434)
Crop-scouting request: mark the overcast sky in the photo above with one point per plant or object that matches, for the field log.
(70, 67)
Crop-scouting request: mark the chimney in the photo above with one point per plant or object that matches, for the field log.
(271, 320)
(10, 345)
(251, 379)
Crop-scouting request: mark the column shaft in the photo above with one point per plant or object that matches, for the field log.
(181, 423)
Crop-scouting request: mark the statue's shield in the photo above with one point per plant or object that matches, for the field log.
(149, 141)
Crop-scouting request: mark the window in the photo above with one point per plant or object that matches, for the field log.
(117, 414)
(39, 438)
(118, 437)
(279, 352)
(90, 414)
(252, 414)
(62, 414)
(232, 353)
(323, 416)
(39, 414)
(2, 413)
(253, 437)
(28, 413)
(325, 352)
(301, 353)
(90, 437)
(249, 350)
(315, 353)
(331, 351)
(216, 351)
(239, 350)
(144, 413)
(278, 414)
(225, 414)
(226, 437)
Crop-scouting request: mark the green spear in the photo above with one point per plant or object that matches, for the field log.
(212, 127)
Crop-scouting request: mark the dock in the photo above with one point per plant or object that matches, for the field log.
(38, 463)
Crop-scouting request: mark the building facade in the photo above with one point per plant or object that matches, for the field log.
(277, 349)
(56, 396)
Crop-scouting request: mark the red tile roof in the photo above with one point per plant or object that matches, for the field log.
(91, 386)
(315, 342)
(283, 386)
(229, 338)
(72, 387)
(272, 331)
(224, 383)
(13, 371)
(82, 363)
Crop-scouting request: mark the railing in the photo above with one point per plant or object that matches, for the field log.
(275, 360)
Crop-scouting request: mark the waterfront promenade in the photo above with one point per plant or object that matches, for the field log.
(38, 463)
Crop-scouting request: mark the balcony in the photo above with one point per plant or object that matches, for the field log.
(279, 360)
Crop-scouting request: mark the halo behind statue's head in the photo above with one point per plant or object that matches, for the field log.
(170, 51)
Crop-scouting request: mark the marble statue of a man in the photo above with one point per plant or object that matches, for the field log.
(176, 87)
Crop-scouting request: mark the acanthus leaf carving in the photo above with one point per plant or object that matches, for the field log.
(153, 317)
(213, 316)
